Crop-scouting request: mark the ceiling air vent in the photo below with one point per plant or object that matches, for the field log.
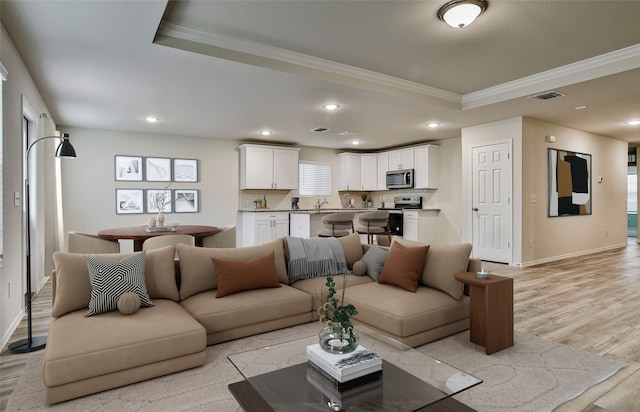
(547, 95)
(319, 129)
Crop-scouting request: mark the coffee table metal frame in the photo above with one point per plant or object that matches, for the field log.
(278, 378)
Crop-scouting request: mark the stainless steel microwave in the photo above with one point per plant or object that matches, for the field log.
(400, 179)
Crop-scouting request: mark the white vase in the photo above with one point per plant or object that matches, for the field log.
(160, 219)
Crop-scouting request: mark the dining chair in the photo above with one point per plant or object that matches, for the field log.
(374, 223)
(226, 238)
(158, 242)
(337, 224)
(78, 242)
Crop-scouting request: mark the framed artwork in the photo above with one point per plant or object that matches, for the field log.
(569, 183)
(157, 169)
(185, 200)
(156, 198)
(185, 170)
(129, 201)
(128, 168)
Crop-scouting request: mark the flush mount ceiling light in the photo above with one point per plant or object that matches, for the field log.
(433, 125)
(331, 106)
(266, 132)
(461, 13)
(355, 142)
(151, 119)
(633, 122)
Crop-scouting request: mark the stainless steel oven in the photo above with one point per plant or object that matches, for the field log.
(396, 221)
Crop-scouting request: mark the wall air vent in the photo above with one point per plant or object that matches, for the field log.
(319, 129)
(547, 95)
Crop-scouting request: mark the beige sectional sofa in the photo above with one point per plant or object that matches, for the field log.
(86, 355)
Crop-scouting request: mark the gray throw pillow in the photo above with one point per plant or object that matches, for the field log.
(375, 259)
(110, 279)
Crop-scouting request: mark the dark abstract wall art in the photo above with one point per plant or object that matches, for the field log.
(569, 183)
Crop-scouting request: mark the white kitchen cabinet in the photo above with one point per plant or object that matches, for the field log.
(349, 171)
(383, 166)
(410, 225)
(262, 227)
(401, 159)
(427, 163)
(368, 172)
(268, 167)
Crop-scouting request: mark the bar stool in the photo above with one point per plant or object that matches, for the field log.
(374, 223)
(337, 225)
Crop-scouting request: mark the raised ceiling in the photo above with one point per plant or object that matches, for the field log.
(228, 69)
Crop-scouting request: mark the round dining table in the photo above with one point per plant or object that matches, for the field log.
(140, 233)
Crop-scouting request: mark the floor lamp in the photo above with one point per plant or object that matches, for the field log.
(31, 344)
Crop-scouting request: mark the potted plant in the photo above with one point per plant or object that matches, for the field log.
(338, 335)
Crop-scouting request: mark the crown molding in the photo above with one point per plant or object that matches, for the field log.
(606, 64)
(264, 55)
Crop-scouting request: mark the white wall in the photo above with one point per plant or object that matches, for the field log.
(19, 86)
(89, 185)
(538, 238)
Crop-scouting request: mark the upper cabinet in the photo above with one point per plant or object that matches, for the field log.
(383, 166)
(268, 167)
(358, 171)
(426, 167)
(349, 171)
(401, 159)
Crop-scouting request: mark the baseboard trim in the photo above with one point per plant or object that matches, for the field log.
(12, 328)
(571, 255)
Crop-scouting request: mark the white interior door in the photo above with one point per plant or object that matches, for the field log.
(491, 202)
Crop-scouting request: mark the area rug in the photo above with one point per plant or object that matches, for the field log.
(534, 375)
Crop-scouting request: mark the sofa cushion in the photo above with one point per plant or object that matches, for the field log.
(199, 275)
(73, 288)
(352, 248)
(443, 263)
(246, 308)
(235, 276)
(318, 290)
(80, 348)
(404, 266)
(395, 311)
(110, 279)
(374, 260)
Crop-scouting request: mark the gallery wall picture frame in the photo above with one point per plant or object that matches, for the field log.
(186, 200)
(570, 184)
(157, 169)
(128, 168)
(129, 201)
(152, 196)
(185, 170)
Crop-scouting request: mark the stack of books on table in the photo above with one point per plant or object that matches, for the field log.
(344, 368)
(157, 229)
(370, 390)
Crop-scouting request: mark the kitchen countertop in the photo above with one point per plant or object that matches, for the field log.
(322, 211)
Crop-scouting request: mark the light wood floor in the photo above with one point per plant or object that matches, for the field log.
(590, 302)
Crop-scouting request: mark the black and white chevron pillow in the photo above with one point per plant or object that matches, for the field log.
(110, 279)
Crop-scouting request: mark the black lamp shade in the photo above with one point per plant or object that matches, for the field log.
(65, 149)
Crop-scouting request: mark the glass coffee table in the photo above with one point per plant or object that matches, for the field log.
(278, 378)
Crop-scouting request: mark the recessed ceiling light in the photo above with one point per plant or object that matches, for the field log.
(355, 142)
(347, 133)
(266, 132)
(633, 122)
(151, 119)
(433, 124)
(331, 106)
(580, 107)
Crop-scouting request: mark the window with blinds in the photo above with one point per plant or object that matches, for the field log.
(314, 179)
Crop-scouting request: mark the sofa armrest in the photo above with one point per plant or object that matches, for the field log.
(475, 265)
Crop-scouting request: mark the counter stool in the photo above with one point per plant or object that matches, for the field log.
(374, 223)
(337, 225)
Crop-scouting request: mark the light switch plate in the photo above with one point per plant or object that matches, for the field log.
(16, 199)
(533, 198)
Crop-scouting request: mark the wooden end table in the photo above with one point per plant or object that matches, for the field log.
(491, 311)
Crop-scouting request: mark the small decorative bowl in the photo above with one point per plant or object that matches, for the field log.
(482, 275)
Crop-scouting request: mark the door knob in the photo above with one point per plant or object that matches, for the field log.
(475, 209)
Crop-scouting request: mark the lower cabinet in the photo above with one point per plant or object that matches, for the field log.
(261, 227)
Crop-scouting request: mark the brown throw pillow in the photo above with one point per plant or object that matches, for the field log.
(404, 266)
(237, 275)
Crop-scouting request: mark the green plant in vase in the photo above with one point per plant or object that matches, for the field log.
(338, 336)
